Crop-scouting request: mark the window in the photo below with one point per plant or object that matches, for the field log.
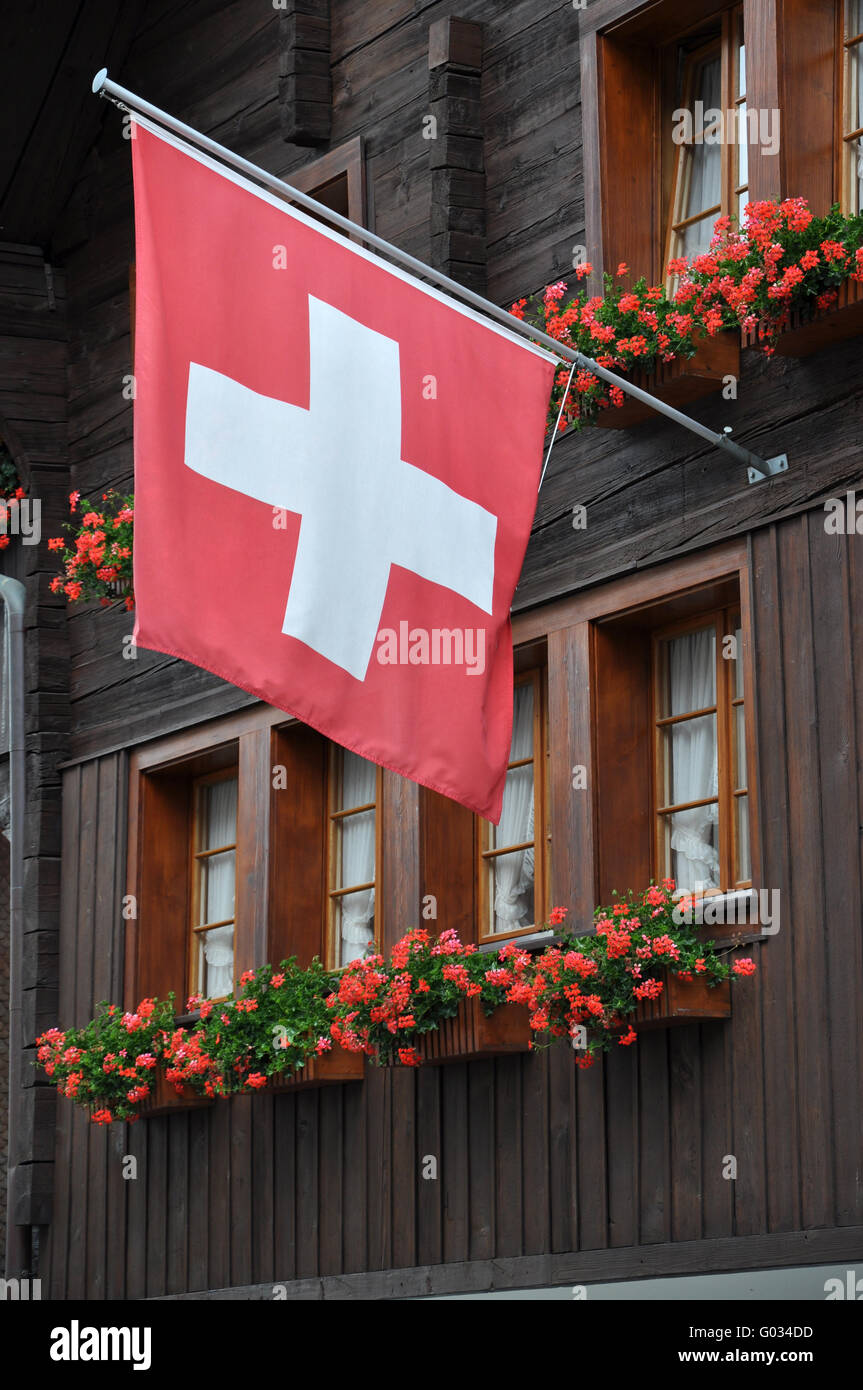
(673, 728)
(214, 874)
(512, 855)
(354, 855)
(700, 781)
(336, 179)
(711, 165)
(852, 117)
(251, 838)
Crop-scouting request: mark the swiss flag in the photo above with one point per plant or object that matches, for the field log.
(336, 470)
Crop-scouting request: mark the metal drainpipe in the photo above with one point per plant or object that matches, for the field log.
(13, 594)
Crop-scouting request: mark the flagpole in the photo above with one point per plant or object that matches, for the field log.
(758, 468)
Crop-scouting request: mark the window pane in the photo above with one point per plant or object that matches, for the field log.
(512, 883)
(741, 70)
(215, 969)
(354, 915)
(691, 853)
(854, 18)
(354, 857)
(217, 814)
(742, 147)
(216, 881)
(689, 672)
(516, 821)
(357, 783)
(743, 868)
(695, 239)
(703, 187)
(690, 757)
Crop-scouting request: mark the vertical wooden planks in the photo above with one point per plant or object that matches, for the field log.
(508, 1156)
(686, 1129)
(653, 1180)
(59, 1236)
(776, 978)
(263, 1199)
(481, 1158)
(199, 1210)
(430, 1146)
(285, 1182)
(354, 1183)
(406, 1168)
(240, 1208)
(562, 1149)
(631, 1162)
(454, 1162)
(379, 1194)
(536, 1221)
(307, 1189)
(836, 628)
(331, 1158)
(806, 908)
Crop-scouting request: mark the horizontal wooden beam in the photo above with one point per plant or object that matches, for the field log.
(784, 1250)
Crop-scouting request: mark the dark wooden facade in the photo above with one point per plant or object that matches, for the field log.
(545, 1175)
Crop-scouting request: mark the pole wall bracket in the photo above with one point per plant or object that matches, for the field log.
(779, 464)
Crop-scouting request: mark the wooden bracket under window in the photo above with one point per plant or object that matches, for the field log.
(458, 230)
(305, 85)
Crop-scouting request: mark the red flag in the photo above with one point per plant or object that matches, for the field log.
(336, 471)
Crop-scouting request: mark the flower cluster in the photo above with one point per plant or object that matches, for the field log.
(8, 509)
(381, 1007)
(781, 258)
(109, 1065)
(583, 989)
(624, 329)
(587, 988)
(277, 1021)
(97, 557)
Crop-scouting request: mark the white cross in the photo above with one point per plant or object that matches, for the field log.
(339, 465)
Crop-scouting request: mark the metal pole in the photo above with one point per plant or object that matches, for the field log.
(121, 96)
(13, 595)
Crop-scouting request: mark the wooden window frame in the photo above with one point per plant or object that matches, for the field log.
(335, 754)
(280, 907)
(336, 179)
(628, 92)
(726, 701)
(537, 676)
(846, 156)
(566, 629)
(206, 779)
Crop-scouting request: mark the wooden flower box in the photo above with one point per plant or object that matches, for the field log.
(330, 1069)
(808, 330)
(682, 1001)
(678, 382)
(472, 1034)
(164, 1098)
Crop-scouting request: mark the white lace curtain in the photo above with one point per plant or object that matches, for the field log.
(218, 878)
(514, 873)
(694, 768)
(357, 913)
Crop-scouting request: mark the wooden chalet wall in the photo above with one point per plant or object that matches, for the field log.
(622, 1164)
